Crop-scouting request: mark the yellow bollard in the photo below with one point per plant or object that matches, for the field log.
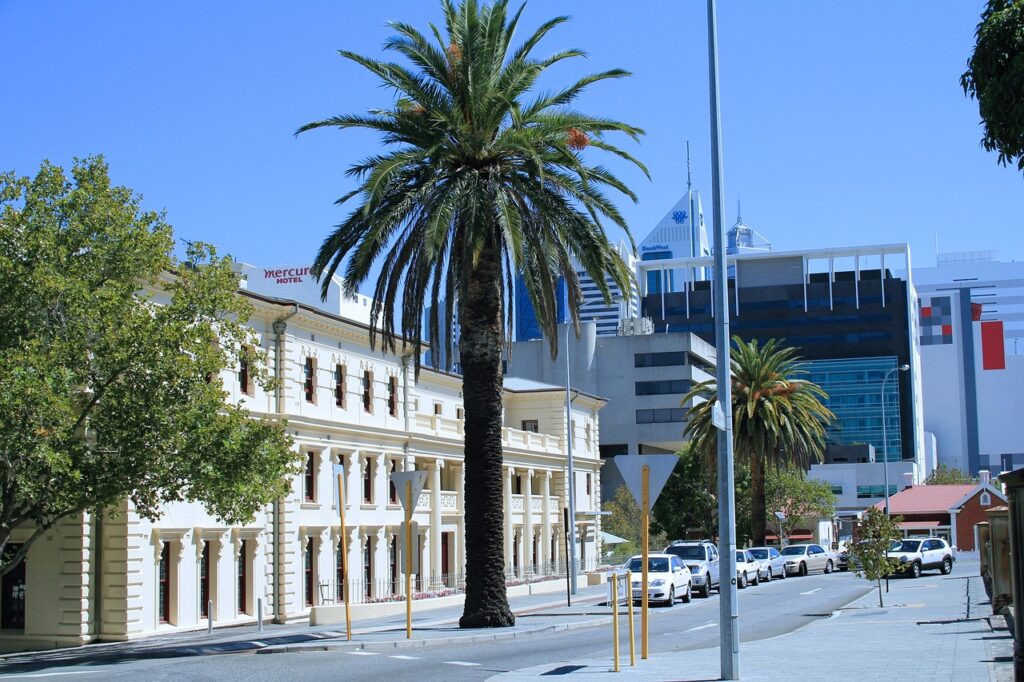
(632, 632)
(614, 580)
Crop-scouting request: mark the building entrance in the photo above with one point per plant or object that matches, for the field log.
(12, 599)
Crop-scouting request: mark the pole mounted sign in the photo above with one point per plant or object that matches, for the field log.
(408, 485)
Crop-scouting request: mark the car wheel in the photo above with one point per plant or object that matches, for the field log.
(757, 579)
(687, 596)
(947, 566)
(803, 568)
(915, 570)
(671, 596)
(742, 582)
(828, 566)
(784, 575)
(768, 576)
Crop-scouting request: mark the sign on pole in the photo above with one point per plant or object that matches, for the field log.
(408, 485)
(418, 480)
(718, 416)
(631, 468)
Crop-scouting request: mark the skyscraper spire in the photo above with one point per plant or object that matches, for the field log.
(689, 178)
(739, 211)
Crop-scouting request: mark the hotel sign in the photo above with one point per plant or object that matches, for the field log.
(286, 275)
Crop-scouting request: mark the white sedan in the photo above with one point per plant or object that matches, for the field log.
(772, 564)
(747, 571)
(668, 578)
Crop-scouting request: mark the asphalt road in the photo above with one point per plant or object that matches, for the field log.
(767, 610)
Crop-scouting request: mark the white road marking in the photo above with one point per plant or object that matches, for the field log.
(702, 627)
(466, 663)
(362, 653)
(259, 643)
(816, 589)
(403, 657)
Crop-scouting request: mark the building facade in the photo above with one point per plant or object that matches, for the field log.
(120, 576)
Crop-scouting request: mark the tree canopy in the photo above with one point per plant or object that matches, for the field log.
(869, 556)
(110, 349)
(803, 500)
(944, 475)
(995, 77)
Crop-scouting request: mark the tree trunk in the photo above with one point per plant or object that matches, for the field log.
(480, 351)
(758, 505)
(880, 605)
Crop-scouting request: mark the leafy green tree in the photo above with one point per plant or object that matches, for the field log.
(627, 521)
(777, 418)
(107, 391)
(943, 475)
(803, 500)
(869, 556)
(995, 77)
(687, 503)
(479, 179)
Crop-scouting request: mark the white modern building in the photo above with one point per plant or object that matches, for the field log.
(121, 577)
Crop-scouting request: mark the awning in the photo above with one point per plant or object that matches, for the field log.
(918, 525)
(609, 539)
(793, 537)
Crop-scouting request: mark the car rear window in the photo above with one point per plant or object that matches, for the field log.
(692, 552)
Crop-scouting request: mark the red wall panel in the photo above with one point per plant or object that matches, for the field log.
(993, 350)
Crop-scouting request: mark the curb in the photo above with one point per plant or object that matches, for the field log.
(410, 643)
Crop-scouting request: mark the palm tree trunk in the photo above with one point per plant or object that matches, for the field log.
(480, 351)
(758, 505)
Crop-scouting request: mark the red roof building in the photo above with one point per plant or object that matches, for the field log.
(945, 511)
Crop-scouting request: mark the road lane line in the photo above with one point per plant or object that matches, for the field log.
(403, 657)
(702, 627)
(465, 663)
(69, 672)
(362, 653)
(816, 589)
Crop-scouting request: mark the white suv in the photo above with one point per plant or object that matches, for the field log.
(701, 557)
(917, 554)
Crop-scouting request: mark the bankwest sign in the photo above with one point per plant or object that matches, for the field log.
(286, 275)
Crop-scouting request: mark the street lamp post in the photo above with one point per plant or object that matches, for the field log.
(885, 441)
(573, 589)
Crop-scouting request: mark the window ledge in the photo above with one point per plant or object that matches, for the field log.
(309, 505)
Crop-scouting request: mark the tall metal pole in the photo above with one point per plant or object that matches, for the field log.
(728, 607)
(573, 590)
(885, 441)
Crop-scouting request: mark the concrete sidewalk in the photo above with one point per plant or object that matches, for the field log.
(932, 629)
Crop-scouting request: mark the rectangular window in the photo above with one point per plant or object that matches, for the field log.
(669, 359)
(339, 569)
(309, 479)
(438, 407)
(339, 386)
(531, 425)
(204, 581)
(244, 380)
(517, 485)
(392, 491)
(165, 583)
(309, 383)
(368, 567)
(589, 483)
(308, 573)
(368, 391)
(368, 482)
(866, 491)
(243, 577)
(459, 413)
(837, 490)
(666, 387)
(393, 396)
(665, 415)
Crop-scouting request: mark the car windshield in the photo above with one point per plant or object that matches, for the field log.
(797, 550)
(741, 557)
(654, 564)
(691, 552)
(759, 553)
(905, 546)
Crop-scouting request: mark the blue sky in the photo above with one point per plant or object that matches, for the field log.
(840, 127)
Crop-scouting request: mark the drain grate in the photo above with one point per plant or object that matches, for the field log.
(564, 670)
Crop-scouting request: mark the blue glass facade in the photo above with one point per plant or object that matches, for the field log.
(854, 387)
(527, 328)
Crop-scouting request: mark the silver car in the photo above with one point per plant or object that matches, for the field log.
(770, 561)
(802, 559)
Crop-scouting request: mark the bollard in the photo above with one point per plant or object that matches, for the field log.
(614, 580)
(209, 618)
(632, 633)
(259, 613)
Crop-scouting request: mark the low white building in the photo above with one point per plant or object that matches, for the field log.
(123, 577)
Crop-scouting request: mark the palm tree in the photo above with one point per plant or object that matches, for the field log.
(777, 418)
(479, 180)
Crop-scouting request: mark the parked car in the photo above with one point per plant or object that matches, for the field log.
(802, 559)
(917, 554)
(747, 569)
(843, 555)
(701, 557)
(772, 564)
(667, 578)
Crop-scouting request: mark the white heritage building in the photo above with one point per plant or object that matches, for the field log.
(124, 577)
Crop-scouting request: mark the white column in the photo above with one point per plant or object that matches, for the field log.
(435, 524)
(528, 523)
(354, 579)
(380, 563)
(380, 481)
(323, 564)
(353, 483)
(509, 471)
(545, 506)
(460, 535)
